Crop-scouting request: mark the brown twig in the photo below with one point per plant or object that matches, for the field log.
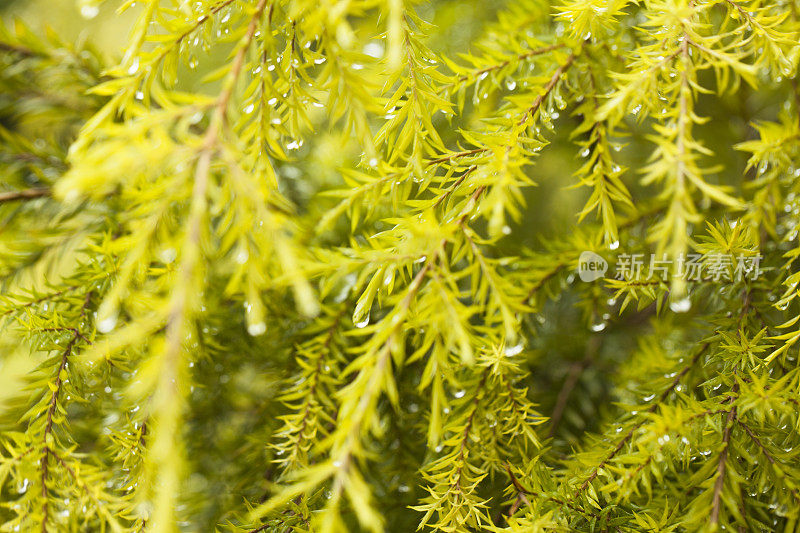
(723, 461)
(24, 194)
(574, 374)
(51, 409)
(521, 57)
(547, 89)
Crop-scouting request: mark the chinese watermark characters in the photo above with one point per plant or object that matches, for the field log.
(716, 267)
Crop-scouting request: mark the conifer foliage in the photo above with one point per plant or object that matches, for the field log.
(293, 265)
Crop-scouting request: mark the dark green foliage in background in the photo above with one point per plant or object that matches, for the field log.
(311, 266)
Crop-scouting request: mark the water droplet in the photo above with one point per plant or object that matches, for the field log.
(193, 62)
(89, 11)
(506, 230)
(320, 60)
(363, 323)
(294, 145)
(107, 324)
(599, 326)
(168, 255)
(373, 162)
(614, 245)
(134, 68)
(460, 394)
(511, 84)
(257, 329)
(242, 257)
(373, 49)
(681, 306)
(249, 109)
(511, 351)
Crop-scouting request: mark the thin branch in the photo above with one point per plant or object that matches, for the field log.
(766, 452)
(40, 300)
(574, 374)
(24, 194)
(723, 462)
(521, 57)
(522, 490)
(179, 306)
(557, 75)
(51, 409)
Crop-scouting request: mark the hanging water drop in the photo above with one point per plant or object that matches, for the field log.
(134, 68)
(89, 11)
(257, 329)
(511, 351)
(681, 306)
(168, 255)
(107, 324)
